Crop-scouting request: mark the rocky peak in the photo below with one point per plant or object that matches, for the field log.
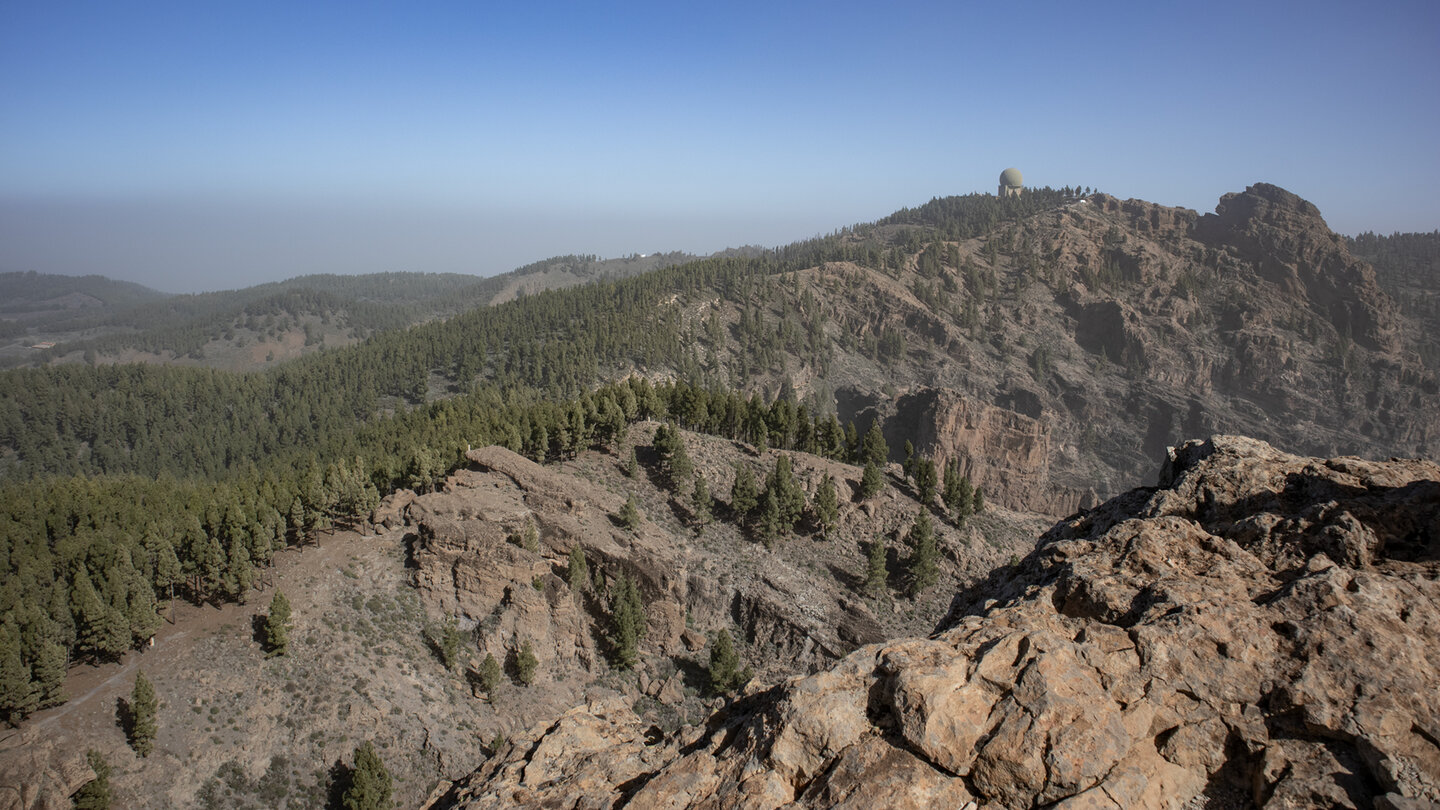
(1257, 630)
(1287, 240)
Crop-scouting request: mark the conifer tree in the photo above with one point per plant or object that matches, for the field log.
(277, 625)
(924, 556)
(95, 794)
(871, 481)
(627, 622)
(702, 505)
(768, 522)
(577, 573)
(370, 783)
(449, 640)
(875, 568)
(827, 506)
(490, 674)
(18, 694)
(925, 480)
(530, 537)
(874, 449)
(724, 668)
(743, 495)
(632, 465)
(525, 663)
(143, 708)
(977, 501)
(630, 514)
(168, 572)
(788, 497)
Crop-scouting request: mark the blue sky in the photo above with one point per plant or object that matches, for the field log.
(212, 145)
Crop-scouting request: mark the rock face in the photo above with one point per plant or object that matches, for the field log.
(471, 563)
(1258, 630)
(36, 775)
(1074, 346)
(1003, 451)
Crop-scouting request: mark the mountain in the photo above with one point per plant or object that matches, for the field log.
(1256, 630)
(1040, 352)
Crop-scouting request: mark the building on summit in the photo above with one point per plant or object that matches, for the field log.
(1010, 183)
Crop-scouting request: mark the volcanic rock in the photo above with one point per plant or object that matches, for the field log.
(1258, 629)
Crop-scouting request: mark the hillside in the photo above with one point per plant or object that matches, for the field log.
(1041, 352)
(242, 730)
(96, 320)
(1258, 630)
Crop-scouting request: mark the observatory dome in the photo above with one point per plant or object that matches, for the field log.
(1011, 178)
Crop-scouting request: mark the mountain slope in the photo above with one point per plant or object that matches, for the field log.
(1258, 630)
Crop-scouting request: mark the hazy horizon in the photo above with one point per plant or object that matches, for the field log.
(194, 148)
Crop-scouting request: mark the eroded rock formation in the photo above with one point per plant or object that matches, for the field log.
(1260, 629)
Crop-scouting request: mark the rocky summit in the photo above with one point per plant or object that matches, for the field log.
(1259, 629)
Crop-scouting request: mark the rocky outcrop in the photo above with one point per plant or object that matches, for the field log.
(794, 606)
(35, 774)
(1258, 630)
(470, 560)
(1292, 247)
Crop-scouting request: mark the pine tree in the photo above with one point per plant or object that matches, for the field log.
(724, 664)
(18, 694)
(449, 639)
(143, 707)
(168, 572)
(827, 506)
(909, 465)
(577, 573)
(871, 481)
(874, 449)
(277, 625)
(925, 480)
(959, 495)
(632, 465)
(530, 537)
(627, 622)
(977, 501)
(525, 663)
(490, 674)
(924, 557)
(369, 782)
(875, 568)
(768, 521)
(95, 794)
(743, 495)
(789, 499)
(702, 504)
(630, 514)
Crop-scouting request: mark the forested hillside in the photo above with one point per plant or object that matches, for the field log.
(94, 319)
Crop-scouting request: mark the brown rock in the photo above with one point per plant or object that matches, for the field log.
(1190, 643)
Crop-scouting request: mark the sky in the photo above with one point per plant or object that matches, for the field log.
(194, 146)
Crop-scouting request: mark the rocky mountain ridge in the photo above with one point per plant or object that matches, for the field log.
(1055, 357)
(1257, 630)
